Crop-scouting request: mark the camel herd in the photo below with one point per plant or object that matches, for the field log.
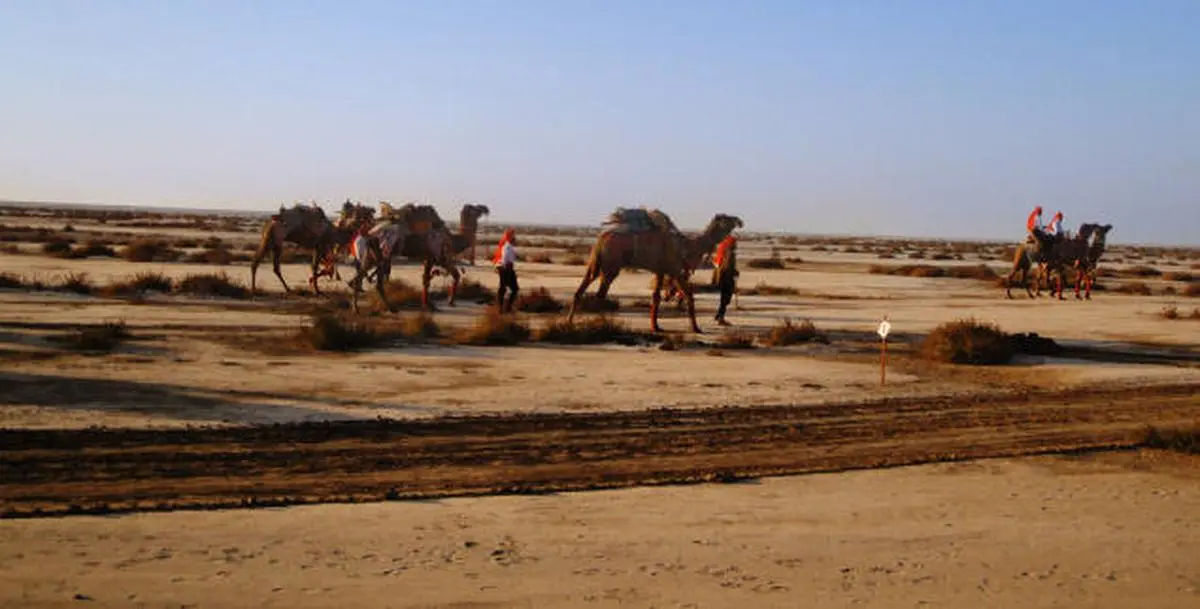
(633, 238)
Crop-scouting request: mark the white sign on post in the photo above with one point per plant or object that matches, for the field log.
(884, 328)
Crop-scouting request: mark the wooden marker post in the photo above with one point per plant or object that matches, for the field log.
(884, 328)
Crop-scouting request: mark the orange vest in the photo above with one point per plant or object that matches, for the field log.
(723, 250)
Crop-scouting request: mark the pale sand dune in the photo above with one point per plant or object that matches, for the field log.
(1102, 531)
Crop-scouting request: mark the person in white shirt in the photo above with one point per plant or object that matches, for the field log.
(505, 260)
(1054, 229)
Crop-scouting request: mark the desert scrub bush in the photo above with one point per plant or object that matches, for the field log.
(1172, 312)
(11, 281)
(787, 333)
(1136, 288)
(76, 283)
(331, 332)
(981, 272)
(104, 337)
(420, 328)
(212, 284)
(150, 250)
(736, 339)
(493, 328)
(541, 258)
(967, 341)
(218, 256)
(1179, 440)
(146, 281)
(574, 260)
(57, 247)
(773, 262)
(1192, 290)
(91, 249)
(765, 289)
(593, 331)
(1141, 271)
(1183, 276)
(540, 300)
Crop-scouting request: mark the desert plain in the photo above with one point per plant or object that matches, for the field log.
(209, 451)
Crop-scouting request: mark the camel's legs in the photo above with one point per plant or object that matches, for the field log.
(655, 299)
(426, 278)
(684, 285)
(315, 270)
(588, 277)
(606, 281)
(455, 275)
(382, 270)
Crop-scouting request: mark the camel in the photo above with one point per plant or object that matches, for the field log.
(648, 240)
(1055, 254)
(302, 225)
(462, 241)
(388, 238)
(1089, 263)
(353, 218)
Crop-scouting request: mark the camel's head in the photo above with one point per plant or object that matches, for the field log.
(1102, 231)
(472, 212)
(723, 224)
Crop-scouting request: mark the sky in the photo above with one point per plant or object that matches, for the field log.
(917, 117)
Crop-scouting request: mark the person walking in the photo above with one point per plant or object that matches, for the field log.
(725, 274)
(505, 260)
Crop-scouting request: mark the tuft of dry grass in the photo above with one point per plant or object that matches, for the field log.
(146, 281)
(967, 341)
(981, 272)
(57, 247)
(331, 332)
(540, 300)
(1141, 271)
(1179, 440)
(150, 250)
(1172, 312)
(1183, 276)
(213, 284)
(420, 328)
(774, 263)
(493, 328)
(102, 338)
(1136, 288)
(93, 249)
(76, 283)
(594, 331)
(788, 333)
(1192, 290)
(574, 260)
(541, 258)
(736, 339)
(765, 289)
(11, 281)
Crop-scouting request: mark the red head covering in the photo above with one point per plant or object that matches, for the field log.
(1058, 215)
(723, 249)
(505, 238)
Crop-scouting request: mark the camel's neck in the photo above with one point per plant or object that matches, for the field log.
(467, 227)
(709, 239)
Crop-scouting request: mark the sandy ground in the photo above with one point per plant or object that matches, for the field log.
(183, 374)
(1113, 530)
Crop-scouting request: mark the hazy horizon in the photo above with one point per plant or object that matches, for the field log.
(925, 119)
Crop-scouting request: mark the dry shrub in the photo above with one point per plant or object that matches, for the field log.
(1183, 276)
(473, 290)
(146, 281)
(736, 339)
(788, 333)
(105, 337)
(76, 283)
(886, 256)
(540, 300)
(11, 281)
(92, 249)
(574, 260)
(1030, 343)
(541, 258)
(10, 248)
(594, 331)
(150, 250)
(943, 256)
(493, 328)
(967, 341)
(981, 272)
(774, 262)
(766, 289)
(917, 255)
(213, 284)
(1192, 289)
(1136, 288)
(1179, 440)
(57, 247)
(1142, 271)
(219, 256)
(1172, 312)
(330, 332)
(420, 328)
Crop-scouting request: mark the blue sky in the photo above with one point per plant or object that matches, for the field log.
(917, 117)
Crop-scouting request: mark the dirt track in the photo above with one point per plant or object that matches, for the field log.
(98, 471)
